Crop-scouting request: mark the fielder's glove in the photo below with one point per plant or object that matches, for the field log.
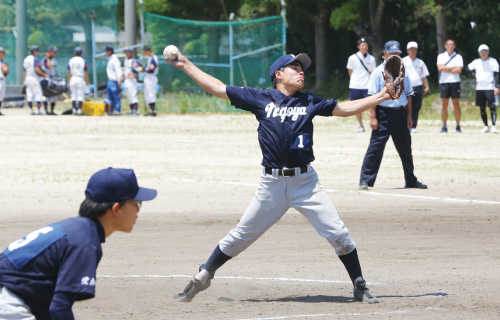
(394, 76)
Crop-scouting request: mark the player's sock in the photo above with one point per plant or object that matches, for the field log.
(216, 260)
(79, 106)
(30, 105)
(52, 106)
(153, 107)
(45, 104)
(38, 105)
(351, 263)
(493, 111)
(484, 117)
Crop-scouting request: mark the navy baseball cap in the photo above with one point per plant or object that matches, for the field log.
(113, 185)
(52, 48)
(78, 50)
(33, 48)
(109, 48)
(129, 50)
(392, 47)
(282, 61)
(361, 40)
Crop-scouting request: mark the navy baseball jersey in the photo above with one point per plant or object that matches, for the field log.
(61, 257)
(285, 123)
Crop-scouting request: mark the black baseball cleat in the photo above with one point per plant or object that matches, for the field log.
(194, 286)
(363, 186)
(362, 294)
(417, 185)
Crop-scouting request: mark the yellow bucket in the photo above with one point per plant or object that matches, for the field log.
(90, 108)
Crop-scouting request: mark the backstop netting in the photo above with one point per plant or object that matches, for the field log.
(236, 52)
(63, 23)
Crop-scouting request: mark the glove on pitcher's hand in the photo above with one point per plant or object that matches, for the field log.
(394, 76)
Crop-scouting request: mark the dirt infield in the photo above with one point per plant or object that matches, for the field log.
(427, 254)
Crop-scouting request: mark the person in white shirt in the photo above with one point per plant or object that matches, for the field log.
(418, 72)
(114, 71)
(31, 75)
(77, 70)
(4, 71)
(130, 73)
(487, 87)
(359, 66)
(150, 80)
(450, 65)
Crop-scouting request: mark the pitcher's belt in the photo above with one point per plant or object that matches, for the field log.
(286, 172)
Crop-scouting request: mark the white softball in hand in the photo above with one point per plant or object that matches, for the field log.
(171, 52)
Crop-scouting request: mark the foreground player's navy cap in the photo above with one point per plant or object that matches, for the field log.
(282, 61)
(78, 50)
(392, 47)
(33, 48)
(111, 184)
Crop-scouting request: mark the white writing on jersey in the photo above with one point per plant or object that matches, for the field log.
(77, 66)
(282, 112)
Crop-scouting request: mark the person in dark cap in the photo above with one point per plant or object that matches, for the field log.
(288, 180)
(359, 66)
(115, 73)
(44, 273)
(32, 73)
(391, 118)
(49, 66)
(150, 80)
(78, 77)
(4, 71)
(131, 70)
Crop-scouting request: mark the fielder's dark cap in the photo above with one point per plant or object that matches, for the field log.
(2, 49)
(109, 48)
(361, 40)
(282, 61)
(146, 48)
(113, 185)
(33, 48)
(78, 50)
(392, 47)
(129, 50)
(52, 48)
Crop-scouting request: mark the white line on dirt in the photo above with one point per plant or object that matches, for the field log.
(371, 193)
(330, 315)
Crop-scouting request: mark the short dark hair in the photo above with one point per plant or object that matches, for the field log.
(93, 210)
(146, 48)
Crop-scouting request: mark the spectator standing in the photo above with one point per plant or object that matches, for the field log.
(114, 71)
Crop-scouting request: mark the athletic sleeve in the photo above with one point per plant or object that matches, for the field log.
(244, 98)
(152, 66)
(323, 107)
(425, 71)
(86, 65)
(409, 91)
(60, 307)
(460, 62)
(77, 272)
(472, 65)
(376, 82)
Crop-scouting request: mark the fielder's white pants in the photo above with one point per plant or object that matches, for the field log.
(274, 197)
(131, 90)
(77, 87)
(33, 89)
(3, 85)
(12, 307)
(150, 82)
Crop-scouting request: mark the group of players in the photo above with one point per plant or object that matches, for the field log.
(78, 79)
(449, 65)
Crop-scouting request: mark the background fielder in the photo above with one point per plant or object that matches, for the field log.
(44, 273)
(288, 180)
(130, 72)
(49, 66)
(150, 80)
(4, 71)
(78, 76)
(31, 75)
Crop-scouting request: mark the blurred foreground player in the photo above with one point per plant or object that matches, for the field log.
(44, 273)
(288, 180)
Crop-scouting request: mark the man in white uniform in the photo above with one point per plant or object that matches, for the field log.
(150, 80)
(130, 73)
(487, 87)
(115, 73)
(4, 71)
(417, 70)
(359, 66)
(31, 75)
(77, 70)
(450, 65)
